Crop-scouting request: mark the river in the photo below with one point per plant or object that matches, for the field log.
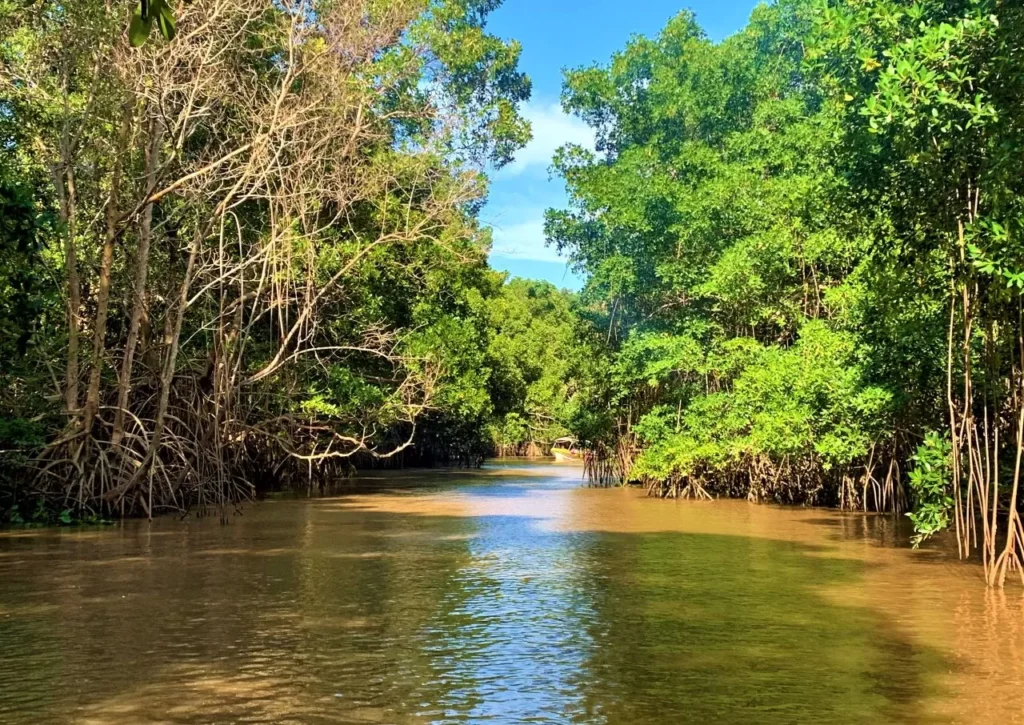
(506, 595)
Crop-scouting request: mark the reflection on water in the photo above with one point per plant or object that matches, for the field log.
(509, 595)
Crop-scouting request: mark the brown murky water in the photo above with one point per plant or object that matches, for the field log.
(509, 595)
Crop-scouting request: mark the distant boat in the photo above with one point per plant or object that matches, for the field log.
(566, 448)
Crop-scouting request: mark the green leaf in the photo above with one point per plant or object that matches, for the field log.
(138, 29)
(165, 19)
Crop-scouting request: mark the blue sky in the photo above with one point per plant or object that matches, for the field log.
(557, 34)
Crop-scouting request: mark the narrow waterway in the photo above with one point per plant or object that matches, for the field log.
(506, 595)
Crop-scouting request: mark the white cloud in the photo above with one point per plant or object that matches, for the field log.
(517, 203)
(551, 128)
(524, 240)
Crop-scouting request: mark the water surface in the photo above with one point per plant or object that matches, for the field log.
(508, 595)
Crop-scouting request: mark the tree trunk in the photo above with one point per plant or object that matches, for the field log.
(92, 398)
(139, 282)
(172, 338)
(64, 181)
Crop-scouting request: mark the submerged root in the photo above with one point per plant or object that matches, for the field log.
(695, 490)
(599, 468)
(686, 487)
(188, 462)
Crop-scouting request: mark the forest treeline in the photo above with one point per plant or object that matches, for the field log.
(804, 256)
(252, 255)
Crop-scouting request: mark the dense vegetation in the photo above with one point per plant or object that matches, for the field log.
(250, 255)
(802, 247)
(247, 251)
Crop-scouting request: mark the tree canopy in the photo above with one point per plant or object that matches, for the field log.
(800, 245)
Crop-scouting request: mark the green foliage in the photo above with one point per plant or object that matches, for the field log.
(773, 225)
(805, 402)
(930, 98)
(722, 271)
(20, 440)
(145, 13)
(339, 300)
(24, 229)
(531, 353)
(479, 73)
(930, 486)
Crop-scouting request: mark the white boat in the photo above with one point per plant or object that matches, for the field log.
(566, 448)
